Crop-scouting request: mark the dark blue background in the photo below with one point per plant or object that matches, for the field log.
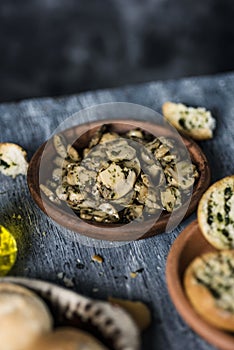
(52, 47)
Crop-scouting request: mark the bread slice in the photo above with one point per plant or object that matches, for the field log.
(197, 123)
(23, 317)
(216, 214)
(12, 160)
(67, 339)
(209, 285)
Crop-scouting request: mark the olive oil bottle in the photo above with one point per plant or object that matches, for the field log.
(8, 251)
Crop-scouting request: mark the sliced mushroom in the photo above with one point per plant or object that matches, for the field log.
(171, 198)
(121, 152)
(169, 142)
(73, 153)
(88, 203)
(107, 137)
(161, 151)
(119, 181)
(153, 145)
(60, 145)
(125, 200)
(156, 174)
(97, 136)
(57, 174)
(61, 193)
(108, 208)
(171, 176)
(52, 197)
(51, 184)
(146, 180)
(152, 202)
(81, 176)
(76, 197)
(133, 212)
(142, 192)
(61, 162)
(86, 214)
(169, 158)
(147, 157)
(135, 133)
(133, 164)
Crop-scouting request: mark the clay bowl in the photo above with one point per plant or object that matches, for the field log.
(114, 232)
(190, 244)
(108, 323)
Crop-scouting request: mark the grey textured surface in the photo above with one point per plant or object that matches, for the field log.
(45, 249)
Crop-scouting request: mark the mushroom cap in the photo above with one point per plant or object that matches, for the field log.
(67, 339)
(23, 317)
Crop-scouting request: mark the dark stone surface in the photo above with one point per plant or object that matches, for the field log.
(52, 47)
(46, 250)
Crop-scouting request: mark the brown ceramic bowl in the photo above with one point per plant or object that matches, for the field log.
(83, 133)
(109, 323)
(190, 244)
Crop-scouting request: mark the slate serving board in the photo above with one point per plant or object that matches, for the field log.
(50, 252)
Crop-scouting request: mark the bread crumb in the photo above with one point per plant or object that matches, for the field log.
(97, 258)
(60, 275)
(133, 274)
(68, 282)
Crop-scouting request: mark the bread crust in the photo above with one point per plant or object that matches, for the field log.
(170, 112)
(215, 239)
(201, 298)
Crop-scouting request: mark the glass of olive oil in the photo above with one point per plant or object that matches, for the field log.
(8, 251)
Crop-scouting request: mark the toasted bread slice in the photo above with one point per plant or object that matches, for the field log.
(68, 339)
(209, 285)
(197, 123)
(13, 160)
(216, 214)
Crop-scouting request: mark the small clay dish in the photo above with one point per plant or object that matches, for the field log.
(190, 244)
(113, 232)
(109, 323)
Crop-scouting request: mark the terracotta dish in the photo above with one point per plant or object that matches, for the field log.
(190, 244)
(119, 232)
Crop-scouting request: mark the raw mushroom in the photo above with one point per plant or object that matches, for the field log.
(23, 317)
(67, 339)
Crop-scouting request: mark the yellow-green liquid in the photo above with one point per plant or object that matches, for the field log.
(8, 251)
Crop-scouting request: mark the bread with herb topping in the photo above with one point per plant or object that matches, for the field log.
(216, 214)
(209, 285)
(197, 123)
(12, 160)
